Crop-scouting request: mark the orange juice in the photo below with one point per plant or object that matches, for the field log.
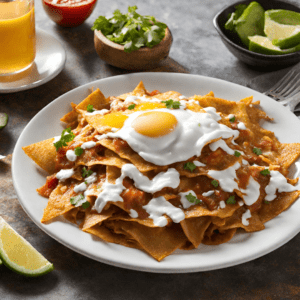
(17, 36)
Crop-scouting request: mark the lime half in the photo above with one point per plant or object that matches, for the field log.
(283, 28)
(3, 120)
(18, 255)
(263, 45)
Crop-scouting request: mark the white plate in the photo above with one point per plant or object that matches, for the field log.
(242, 248)
(49, 61)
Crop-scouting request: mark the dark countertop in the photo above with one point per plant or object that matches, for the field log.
(196, 49)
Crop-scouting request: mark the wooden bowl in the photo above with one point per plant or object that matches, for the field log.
(142, 59)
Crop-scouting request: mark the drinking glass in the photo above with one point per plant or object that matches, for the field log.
(17, 36)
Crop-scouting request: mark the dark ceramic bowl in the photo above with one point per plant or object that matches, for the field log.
(235, 46)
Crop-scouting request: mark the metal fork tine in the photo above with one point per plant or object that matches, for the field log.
(289, 87)
(280, 83)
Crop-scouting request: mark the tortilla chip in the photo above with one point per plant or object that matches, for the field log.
(43, 154)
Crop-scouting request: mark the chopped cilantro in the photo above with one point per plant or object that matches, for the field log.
(85, 205)
(193, 199)
(76, 199)
(266, 202)
(189, 166)
(78, 151)
(215, 183)
(86, 173)
(232, 119)
(131, 29)
(257, 151)
(171, 104)
(265, 172)
(90, 108)
(66, 136)
(237, 153)
(231, 200)
(131, 106)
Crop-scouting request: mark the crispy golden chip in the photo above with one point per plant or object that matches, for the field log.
(43, 154)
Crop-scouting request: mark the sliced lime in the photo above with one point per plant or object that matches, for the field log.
(18, 255)
(251, 22)
(283, 28)
(263, 45)
(3, 120)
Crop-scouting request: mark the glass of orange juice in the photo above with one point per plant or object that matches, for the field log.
(17, 36)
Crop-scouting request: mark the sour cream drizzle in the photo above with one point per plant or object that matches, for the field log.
(111, 192)
(277, 182)
(159, 206)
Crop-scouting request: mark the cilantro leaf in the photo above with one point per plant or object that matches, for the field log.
(171, 104)
(237, 153)
(215, 183)
(231, 200)
(267, 202)
(76, 199)
(86, 173)
(78, 151)
(66, 136)
(193, 199)
(131, 106)
(265, 172)
(232, 119)
(189, 166)
(90, 108)
(257, 151)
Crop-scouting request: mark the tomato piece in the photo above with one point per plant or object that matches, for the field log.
(48, 187)
(153, 93)
(69, 13)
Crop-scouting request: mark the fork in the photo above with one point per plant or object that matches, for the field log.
(287, 90)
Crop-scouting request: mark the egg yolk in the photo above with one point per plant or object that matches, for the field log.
(154, 123)
(149, 106)
(115, 120)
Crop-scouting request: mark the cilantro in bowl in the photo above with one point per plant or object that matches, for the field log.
(131, 30)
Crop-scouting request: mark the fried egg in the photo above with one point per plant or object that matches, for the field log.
(165, 136)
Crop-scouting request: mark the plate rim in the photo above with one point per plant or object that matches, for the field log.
(158, 267)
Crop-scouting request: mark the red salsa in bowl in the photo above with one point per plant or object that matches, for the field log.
(69, 13)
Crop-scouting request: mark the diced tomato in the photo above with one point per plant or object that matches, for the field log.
(153, 93)
(69, 13)
(48, 187)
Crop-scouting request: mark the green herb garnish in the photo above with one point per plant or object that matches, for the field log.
(237, 153)
(257, 151)
(265, 172)
(171, 104)
(215, 183)
(131, 29)
(66, 136)
(78, 151)
(131, 106)
(193, 199)
(232, 119)
(266, 202)
(231, 200)
(86, 173)
(90, 108)
(75, 200)
(189, 166)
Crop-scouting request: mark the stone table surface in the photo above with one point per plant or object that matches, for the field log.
(197, 49)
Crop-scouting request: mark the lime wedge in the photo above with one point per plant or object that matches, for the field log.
(263, 45)
(251, 22)
(3, 120)
(18, 255)
(283, 28)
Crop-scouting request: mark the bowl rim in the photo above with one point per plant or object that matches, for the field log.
(246, 51)
(108, 42)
